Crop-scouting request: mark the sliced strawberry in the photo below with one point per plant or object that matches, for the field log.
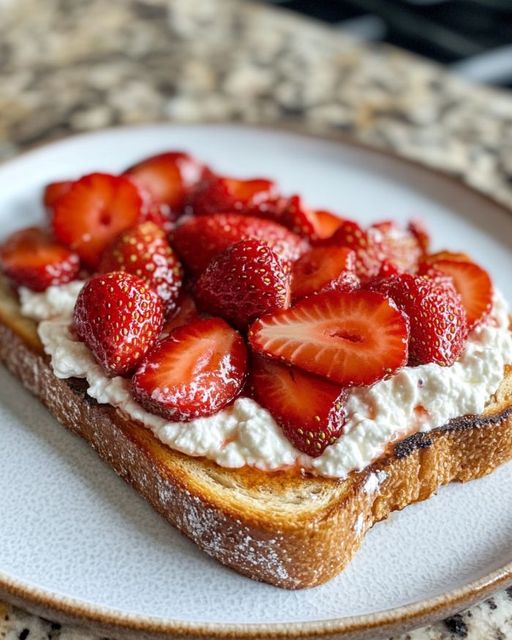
(432, 258)
(399, 246)
(322, 269)
(298, 218)
(185, 313)
(144, 251)
(119, 318)
(93, 212)
(219, 193)
(198, 240)
(244, 282)
(169, 178)
(54, 190)
(310, 411)
(366, 245)
(386, 270)
(419, 230)
(195, 372)
(326, 223)
(351, 338)
(474, 286)
(31, 258)
(438, 323)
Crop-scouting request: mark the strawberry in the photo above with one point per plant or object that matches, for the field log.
(296, 217)
(53, 191)
(93, 212)
(185, 313)
(351, 338)
(432, 258)
(325, 223)
(399, 247)
(169, 177)
(219, 193)
(366, 245)
(473, 285)
(195, 372)
(322, 269)
(31, 258)
(145, 252)
(198, 240)
(438, 323)
(244, 282)
(310, 411)
(420, 232)
(119, 318)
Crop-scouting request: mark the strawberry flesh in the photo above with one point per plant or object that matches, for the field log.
(350, 338)
(195, 372)
(326, 223)
(186, 312)
(119, 317)
(53, 191)
(399, 246)
(244, 282)
(310, 411)
(31, 258)
(322, 269)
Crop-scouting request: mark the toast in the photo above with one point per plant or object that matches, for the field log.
(288, 530)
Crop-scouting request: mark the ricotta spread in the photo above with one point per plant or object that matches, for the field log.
(416, 398)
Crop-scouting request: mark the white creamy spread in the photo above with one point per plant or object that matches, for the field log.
(418, 398)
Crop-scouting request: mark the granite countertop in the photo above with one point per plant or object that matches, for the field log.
(78, 65)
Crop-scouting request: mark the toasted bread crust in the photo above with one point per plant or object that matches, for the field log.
(242, 517)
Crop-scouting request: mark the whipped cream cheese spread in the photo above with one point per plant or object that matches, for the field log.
(416, 398)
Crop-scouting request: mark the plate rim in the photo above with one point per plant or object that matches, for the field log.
(72, 610)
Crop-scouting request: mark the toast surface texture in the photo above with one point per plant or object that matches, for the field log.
(280, 528)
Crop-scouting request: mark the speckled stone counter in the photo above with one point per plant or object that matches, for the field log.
(77, 65)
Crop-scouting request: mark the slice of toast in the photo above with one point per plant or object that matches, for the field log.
(281, 528)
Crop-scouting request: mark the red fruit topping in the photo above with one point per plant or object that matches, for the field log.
(351, 338)
(365, 244)
(119, 318)
(31, 258)
(169, 178)
(432, 258)
(296, 217)
(438, 323)
(145, 252)
(310, 411)
(93, 212)
(473, 285)
(53, 191)
(399, 247)
(419, 230)
(387, 269)
(185, 313)
(198, 240)
(326, 224)
(244, 282)
(217, 193)
(195, 372)
(322, 269)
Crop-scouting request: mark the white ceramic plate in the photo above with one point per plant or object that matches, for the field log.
(75, 540)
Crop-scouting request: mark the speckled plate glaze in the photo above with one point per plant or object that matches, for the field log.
(78, 544)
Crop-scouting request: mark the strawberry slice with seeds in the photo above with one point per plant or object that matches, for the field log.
(351, 338)
(93, 212)
(31, 258)
(326, 223)
(198, 240)
(474, 286)
(53, 191)
(310, 411)
(432, 258)
(169, 177)
(195, 372)
(144, 251)
(119, 317)
(322, 269)
(244, 282)
(298, 218)
(185, 313)
(399, 246)
(420, 232)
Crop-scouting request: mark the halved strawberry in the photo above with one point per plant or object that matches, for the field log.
(195, 372)
(365, 243)
(399, 246)
(351, 338)
(322, 269)
(310, 411)
(31, 258)
(438, 323)
(93, 212)
(169, 177)
(419, 230)
(244, 282)
(144, 251)
(54, 190)
(119, 318)
(298, 218)
(474, 286)
(432, 258)
(326, 223)
(185, 313)
(198, 240)
(219, 193)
